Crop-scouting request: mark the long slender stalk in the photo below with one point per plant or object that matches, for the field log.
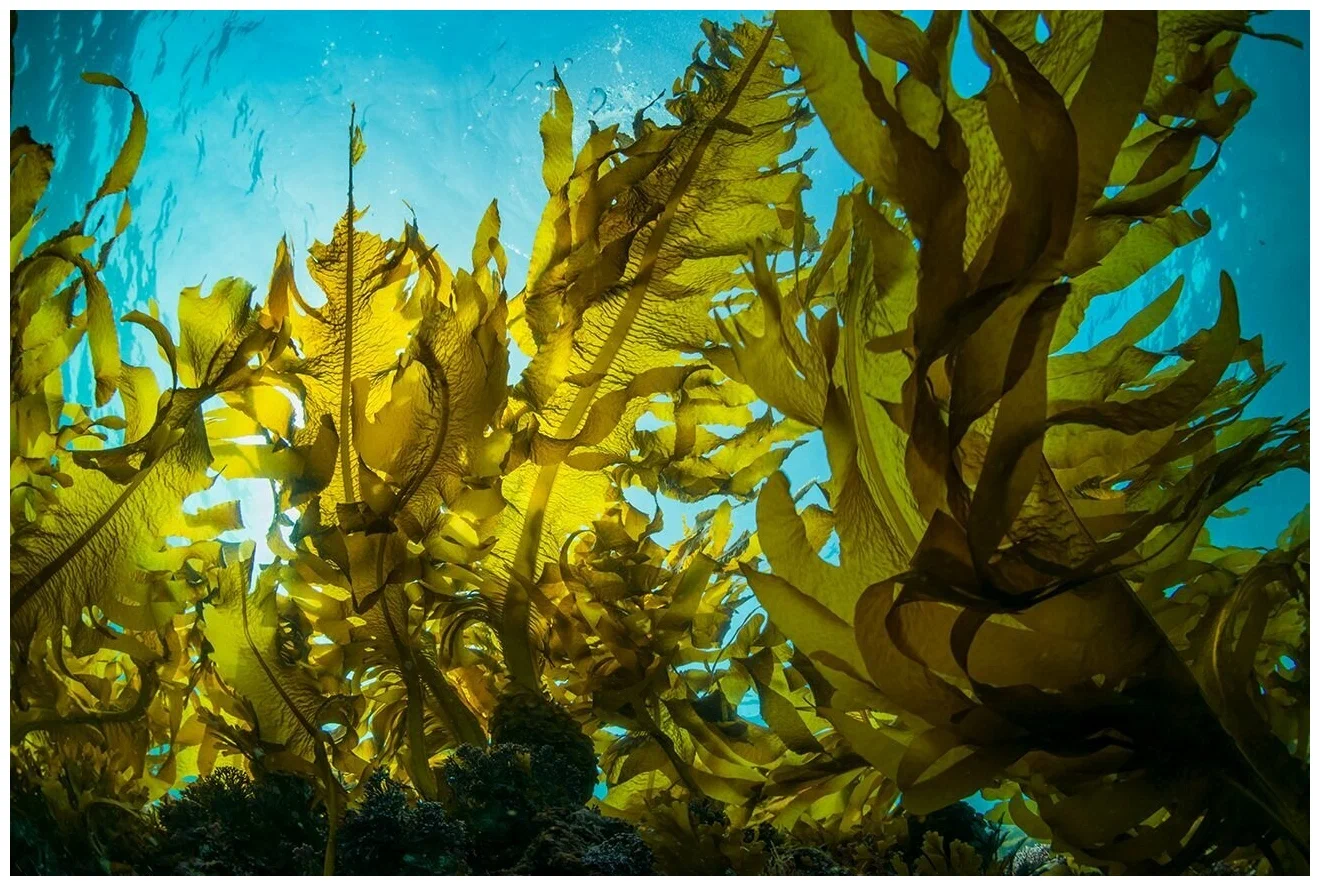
(345, 461)
(346, 381)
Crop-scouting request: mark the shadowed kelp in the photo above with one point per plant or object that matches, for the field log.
(999, 594)
(1025, 600)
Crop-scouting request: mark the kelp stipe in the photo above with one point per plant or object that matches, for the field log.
(1025, 600)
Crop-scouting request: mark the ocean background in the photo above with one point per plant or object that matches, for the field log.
(248, 113)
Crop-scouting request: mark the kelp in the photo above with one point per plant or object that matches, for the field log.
(1005, 583)
(640, 232)
(993, 603)
(99, 578)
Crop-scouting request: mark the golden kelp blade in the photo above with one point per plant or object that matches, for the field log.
(104, 558)
(1006, 630)
(415, 357)
(79, 503)
(637, 238)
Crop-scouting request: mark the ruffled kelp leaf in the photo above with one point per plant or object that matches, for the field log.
(1006, 635)
(118, 507)
(643, 633)
(351, 336)
(83, 504)
(90, 545)
(102, 334)
(409, 360)
(291, 716)
(130, 153)
(243, 629)
(634, 245)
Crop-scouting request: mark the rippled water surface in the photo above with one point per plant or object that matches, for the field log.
(248, 113)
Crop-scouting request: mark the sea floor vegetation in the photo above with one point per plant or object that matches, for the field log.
(470, 653)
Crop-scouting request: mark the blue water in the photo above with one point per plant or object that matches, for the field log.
(248, 113)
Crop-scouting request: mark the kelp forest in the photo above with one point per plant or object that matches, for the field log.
(472, 654)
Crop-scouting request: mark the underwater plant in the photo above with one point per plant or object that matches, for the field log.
(471, 653)
(1010, 516)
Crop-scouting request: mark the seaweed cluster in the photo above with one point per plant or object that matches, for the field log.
(507, 808)
(1003, 582)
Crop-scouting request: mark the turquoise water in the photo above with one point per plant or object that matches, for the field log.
(248, 113)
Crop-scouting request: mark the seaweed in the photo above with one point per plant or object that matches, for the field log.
(1001, 608)
(472, 653)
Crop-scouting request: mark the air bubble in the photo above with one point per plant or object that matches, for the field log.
(596, 100)
(536, 64)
